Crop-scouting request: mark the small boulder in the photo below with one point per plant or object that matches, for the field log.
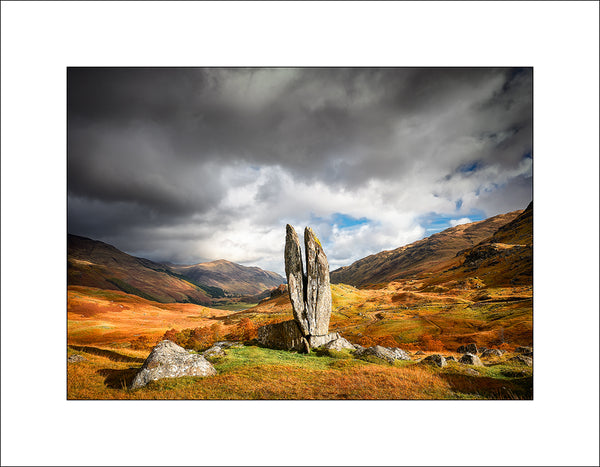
(389, 354)
(469, 348)
(168, 360)
(339, 344)
(76, 358)
(229, 344)
(358, 347)
(524, 350)
(450, 358)
(214, 351)
(482, 349)
(522, 359)
(491, 353)
(435, 359)
(470, 359)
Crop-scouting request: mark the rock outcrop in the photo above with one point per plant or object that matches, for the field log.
(470, 359)
(470, 348)
(310, 295)
(390, 354)
(435, 359)
(168, 360)
(339, 344)
(491, 353)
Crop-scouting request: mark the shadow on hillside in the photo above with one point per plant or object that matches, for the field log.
(491, 388)
(118, 379)
(110, 354)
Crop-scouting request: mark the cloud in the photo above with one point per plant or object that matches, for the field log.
(463, 220)
(190, 165)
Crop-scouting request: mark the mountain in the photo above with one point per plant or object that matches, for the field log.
(421, 255)
(231, 277)
(93, 263)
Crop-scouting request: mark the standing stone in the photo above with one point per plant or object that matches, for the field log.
(295, 277)
(310, 296)
(318, 290)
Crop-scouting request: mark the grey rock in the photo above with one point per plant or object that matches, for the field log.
(318, 289)
(229, 344)
(318, 341)
(470, 359)
(482, 349)
(491, 353)
(283, 336)
(76, 358)
(469, 348)
(214, 351)
(522, 359)
(450, 358)
(390, 354)
(295, 278)
(339, 344)
(168, 360)
(358, 347)
(435, 359)
(524, 350)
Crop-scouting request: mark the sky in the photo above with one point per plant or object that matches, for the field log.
(187, 165)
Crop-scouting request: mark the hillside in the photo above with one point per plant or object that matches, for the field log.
(93, 263)
(231, 277)
(420, 256)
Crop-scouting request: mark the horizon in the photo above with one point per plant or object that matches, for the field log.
(192, 165)
(301, 235)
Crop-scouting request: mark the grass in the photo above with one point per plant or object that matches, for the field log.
(257, 373)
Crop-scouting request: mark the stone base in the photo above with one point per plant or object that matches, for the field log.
(318, 341)
(287, 336)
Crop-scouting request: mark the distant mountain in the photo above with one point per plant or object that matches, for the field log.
(96, 264)
(422, 255)
(231, 277)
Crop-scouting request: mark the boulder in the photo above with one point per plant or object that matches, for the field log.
(390, 354)
(319, 341)
(358, 347)
(524, 350)
(491, 353)
(522, 359)
(214, 351)
(482, 349)
(283, 336)
(435, 359)
(168, 360)
(76, 358)
(339, 344)
(229, 344)
(470, 359)
(450, 358)
(469, 348)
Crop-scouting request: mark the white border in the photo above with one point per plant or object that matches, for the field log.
(39, 39)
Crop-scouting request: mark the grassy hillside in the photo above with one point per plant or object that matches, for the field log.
(419, 256)
(96, 264)
(257, 373)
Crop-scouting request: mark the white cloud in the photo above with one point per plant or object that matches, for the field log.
(464, 220)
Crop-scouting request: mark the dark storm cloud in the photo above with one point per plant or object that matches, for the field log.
(154, 148)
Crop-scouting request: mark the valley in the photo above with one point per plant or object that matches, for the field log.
(471, 284)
